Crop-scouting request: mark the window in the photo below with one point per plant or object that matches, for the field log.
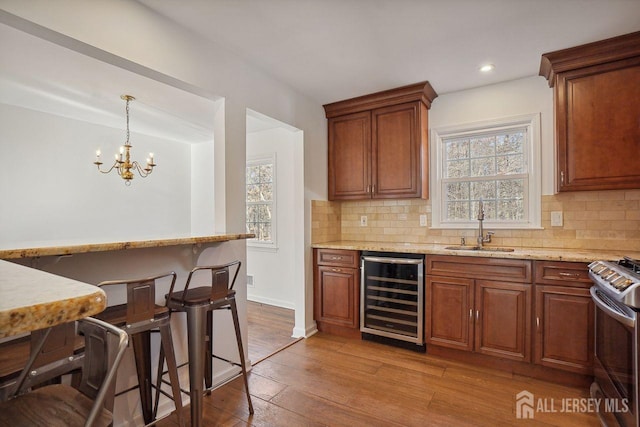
(493, 162)
(261, 197)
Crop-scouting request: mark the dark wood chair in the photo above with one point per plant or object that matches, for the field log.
(89, 402)
(139, 316)
(213, 292)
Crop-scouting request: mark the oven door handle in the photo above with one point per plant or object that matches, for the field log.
(625, 320)
(393, 260)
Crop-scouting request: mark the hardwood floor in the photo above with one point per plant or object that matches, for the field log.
(327, 380)
(270, 329)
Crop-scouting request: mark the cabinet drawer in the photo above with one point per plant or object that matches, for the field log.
(510, 270)
(337, 258)
(562, 273)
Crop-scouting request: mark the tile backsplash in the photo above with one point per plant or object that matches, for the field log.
(591, 220)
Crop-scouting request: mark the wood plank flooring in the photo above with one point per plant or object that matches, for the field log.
(269, 328)
(327, 380)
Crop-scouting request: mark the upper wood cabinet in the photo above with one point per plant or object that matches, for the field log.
(597, 110)
(378, 144)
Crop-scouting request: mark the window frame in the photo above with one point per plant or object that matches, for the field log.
(264, 159)
(532, 196)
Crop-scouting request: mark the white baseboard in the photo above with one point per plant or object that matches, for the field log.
(271, 301)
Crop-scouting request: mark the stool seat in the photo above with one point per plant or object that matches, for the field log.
(200, 295)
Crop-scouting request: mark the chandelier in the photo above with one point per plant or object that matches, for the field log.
(123, 164)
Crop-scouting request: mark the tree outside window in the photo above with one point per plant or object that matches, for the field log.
(260, 217)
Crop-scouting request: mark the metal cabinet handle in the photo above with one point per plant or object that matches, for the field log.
(336, 257)
(368, 188)
(373, 189)
(471, 313)
(336, 270)
(574, 275)
(537, 322)
(477, 314)
(562, 177)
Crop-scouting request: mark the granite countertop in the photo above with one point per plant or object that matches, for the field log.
(546, 254)
(32, 299)
(37, 250)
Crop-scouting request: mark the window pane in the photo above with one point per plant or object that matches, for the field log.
(483, 146)
(253, 193)
(511, 189)
(483, 190)
(265, 232)
(513, 164)
(252, 213)
(266, 173)
(458, 211)
(511, 210)
(483, 167)
(457, 191)
(253, 174)
(457, 150)
(266, 192)
(510, 143)
(457, 169)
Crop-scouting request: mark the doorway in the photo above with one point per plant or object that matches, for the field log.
(275, 213)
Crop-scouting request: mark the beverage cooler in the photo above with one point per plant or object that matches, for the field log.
(392, 298)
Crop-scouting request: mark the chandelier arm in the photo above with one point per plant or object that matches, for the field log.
(113, 166)
(144, 172)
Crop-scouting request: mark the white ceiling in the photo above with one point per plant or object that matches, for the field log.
(337, 49)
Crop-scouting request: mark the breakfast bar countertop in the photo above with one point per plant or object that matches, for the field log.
(32, 299)
(544, 254)
(40, 249)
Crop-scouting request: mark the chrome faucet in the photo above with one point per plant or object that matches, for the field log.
(481, 238)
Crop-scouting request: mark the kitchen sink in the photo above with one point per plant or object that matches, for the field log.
(478, 248)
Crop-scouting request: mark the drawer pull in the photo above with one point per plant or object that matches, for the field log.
(336, 258)
(572, 275)
(336, 270)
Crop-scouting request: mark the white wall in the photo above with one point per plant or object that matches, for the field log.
(131, 32)
(518, 97)
(273, 269)
(52, 193)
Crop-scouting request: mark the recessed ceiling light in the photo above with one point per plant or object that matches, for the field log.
(488, 67)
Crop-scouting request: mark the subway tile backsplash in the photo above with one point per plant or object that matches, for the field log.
(591, 220)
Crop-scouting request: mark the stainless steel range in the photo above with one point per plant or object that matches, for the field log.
(616, 295)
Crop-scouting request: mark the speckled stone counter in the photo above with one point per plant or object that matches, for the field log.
(545, 254)
(36, 250)
(31, 299)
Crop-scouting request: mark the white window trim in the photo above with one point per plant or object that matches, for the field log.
(273, 244)
(532, 123)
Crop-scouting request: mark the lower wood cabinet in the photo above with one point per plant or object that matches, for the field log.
(337, 291)
(488, 317)
(564, 316)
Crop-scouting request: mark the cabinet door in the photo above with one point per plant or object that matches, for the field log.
(448, 312)
(350, 157)
(396, 151)
(597, 127)
(336, 298)
(503, 320)
(564, 328)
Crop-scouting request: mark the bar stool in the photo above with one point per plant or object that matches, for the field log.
(140, 316)
(199, 303)
(88, 401)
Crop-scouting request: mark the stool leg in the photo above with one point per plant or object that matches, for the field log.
(196, 330)
(236, 324)
(142, 351)
(208, 353)
(167, 346)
